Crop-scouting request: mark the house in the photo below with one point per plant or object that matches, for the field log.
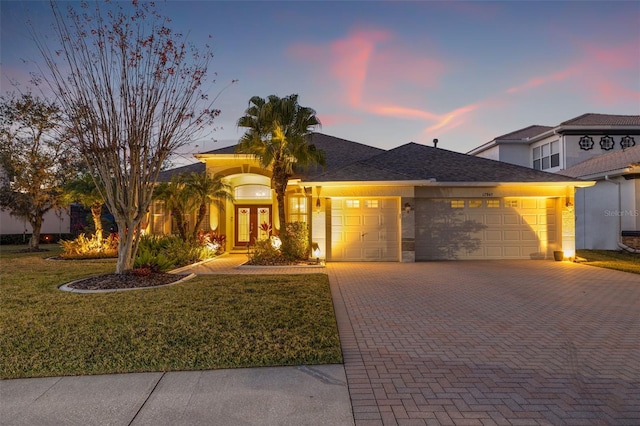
(410, 203)
(610, 210)
(597, 147)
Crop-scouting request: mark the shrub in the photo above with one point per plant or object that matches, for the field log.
(161, 253)
(264, 253)
(214, 241)
(295, 241)
(84, 247)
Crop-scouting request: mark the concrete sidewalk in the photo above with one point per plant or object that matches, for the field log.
(304, 395)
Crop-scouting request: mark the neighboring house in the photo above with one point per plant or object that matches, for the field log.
(411, 203)
(54, 223)
(597, 147)
(610, 210)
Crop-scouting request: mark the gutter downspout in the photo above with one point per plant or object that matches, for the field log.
(620, 243)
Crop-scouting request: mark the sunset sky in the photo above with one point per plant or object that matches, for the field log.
(387, 73)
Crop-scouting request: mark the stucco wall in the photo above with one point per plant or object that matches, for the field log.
(52, 224)
(597, 216)
(574, 154)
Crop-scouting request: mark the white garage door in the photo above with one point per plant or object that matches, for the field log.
(500, 228)
(364, 229)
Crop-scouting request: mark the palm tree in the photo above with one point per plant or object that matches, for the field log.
(276, 135)
(186, 193)
(84, 191)
(178, 201)
(205, 188)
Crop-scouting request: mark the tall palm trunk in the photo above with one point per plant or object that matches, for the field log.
(96, 215)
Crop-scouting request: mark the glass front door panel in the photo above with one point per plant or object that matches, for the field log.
(252, 223)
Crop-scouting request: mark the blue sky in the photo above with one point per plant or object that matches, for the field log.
(387, 73)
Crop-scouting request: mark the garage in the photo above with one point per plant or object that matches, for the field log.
(364, 229)
(485, 228)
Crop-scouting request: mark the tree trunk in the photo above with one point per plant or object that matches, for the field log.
(96, 214)
(127, 245)
(202, 212)
(180, 224)
(36, 225)
(279, 180)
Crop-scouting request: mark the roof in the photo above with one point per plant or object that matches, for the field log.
(591, 119)
(524, 134)
(605, 163)
(338, 153)
(166, 175)
(414, 161)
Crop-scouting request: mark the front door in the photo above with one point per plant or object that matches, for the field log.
(253, 222)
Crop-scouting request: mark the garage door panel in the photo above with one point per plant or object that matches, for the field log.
(352, 220)
(510, 219)
(370, 220)
(513, 228)
(369, 227)
(493, 219)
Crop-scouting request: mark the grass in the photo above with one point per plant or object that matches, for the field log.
(619, 260)
(208, 322)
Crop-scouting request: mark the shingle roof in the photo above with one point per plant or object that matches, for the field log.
(591, 119)
(338, 153)
(605, 163)
(166, 175)
(419, 162)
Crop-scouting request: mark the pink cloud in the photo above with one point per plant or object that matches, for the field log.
(369, 66)
(336, 119)
(597, 71)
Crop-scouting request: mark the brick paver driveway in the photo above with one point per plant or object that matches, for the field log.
(484, 343)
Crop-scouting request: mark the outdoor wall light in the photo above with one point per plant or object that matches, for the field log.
(407, 208)
(315, 249)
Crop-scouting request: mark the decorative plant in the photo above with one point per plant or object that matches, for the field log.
(295, 241)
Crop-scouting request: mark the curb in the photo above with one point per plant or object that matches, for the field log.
(65, 287)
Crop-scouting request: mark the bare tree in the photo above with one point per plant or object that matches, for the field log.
(133, 89)
(35, 160)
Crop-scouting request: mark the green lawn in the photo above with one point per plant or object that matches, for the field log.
(205, 323)
(619, 260)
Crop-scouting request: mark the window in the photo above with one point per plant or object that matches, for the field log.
(297, 209)
(586, 143)
(371, 204)
(475, 204)
(546, 156)
(606, 143)
(627, 142)
(252, 192)
(511, 203)
(457, 204)
(493, 204)
(352, 204)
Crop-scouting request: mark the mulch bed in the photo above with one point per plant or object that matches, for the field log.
(122, 281)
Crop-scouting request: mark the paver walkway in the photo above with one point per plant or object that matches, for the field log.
(489, 343)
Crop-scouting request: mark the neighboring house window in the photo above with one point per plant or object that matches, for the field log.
(606, 143)
(627, 142)
(457, 204)
(546, 156)
(297, 209)
(586, 143)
